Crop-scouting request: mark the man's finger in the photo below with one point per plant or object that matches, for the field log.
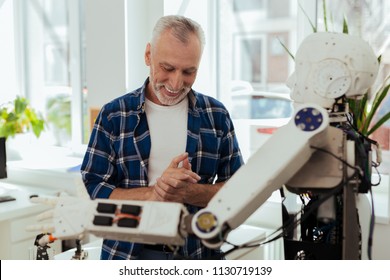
(192, 176)
(177, 160)
(167, 192)
(186, 164)
(183, 175)
(163, 186)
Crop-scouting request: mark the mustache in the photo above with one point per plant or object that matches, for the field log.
(182, 89)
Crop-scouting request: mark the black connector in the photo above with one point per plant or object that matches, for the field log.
(126, 222)
(102, 221)
(108, 208)
(131, 209)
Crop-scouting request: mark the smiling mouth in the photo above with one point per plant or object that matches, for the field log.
(172, 92)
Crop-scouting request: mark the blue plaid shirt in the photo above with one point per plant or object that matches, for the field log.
(118, 154)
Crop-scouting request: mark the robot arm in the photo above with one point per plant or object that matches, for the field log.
(169, 223)
(265, 172)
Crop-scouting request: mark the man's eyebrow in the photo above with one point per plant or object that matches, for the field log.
(190, 69)
(164, 64)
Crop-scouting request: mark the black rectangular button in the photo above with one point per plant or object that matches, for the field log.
(102, 221)
(131, 209)
(109, 208)
(126, 222)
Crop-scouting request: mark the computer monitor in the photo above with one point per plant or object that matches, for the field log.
(3, 159)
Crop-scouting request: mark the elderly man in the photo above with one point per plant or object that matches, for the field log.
(163, 141)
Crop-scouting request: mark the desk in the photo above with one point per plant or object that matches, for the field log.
(16, 243)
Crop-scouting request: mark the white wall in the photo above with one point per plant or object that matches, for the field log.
(141, 17)
(116, 36)
(105, 57)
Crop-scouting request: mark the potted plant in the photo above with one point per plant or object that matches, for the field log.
(18, 117)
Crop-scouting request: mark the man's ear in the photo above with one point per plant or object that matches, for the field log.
(148, 54)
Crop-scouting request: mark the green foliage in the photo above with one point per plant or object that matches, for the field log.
(59, 112)
(18, 117)
(286, 49)
(345, 25)
(325, 17)
(311, 23)
(363, 116)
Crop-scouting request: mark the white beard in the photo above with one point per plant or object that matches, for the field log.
(167, 100)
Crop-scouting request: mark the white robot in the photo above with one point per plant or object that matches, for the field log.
(311, 153)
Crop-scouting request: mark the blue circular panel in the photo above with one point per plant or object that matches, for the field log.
(308, 119)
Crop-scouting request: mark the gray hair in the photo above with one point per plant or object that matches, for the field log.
(180, 26)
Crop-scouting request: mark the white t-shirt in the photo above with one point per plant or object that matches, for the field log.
(168, 133)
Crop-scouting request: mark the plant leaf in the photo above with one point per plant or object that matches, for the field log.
(20, 104)
(311, 23)
(358, 107)
(381, 121)
(379, 97)
(345, 25)
(325, 18)
(286, 49)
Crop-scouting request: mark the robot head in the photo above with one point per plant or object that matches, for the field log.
(332, 65)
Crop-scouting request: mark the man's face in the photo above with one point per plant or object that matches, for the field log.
(173, 68)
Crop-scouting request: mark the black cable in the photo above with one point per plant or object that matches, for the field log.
(356, 168)
(371, 228)
(295, 222)
(284, 228)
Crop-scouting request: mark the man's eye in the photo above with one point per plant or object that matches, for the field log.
(188, 73)
(168, 69)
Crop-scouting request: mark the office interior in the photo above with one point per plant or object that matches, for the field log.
(70, 57)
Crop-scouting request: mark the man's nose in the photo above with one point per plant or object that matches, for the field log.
(176, 81)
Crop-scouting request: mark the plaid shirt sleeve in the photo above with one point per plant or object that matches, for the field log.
(118, 149)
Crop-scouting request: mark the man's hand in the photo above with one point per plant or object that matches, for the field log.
(178, 183)
(174, 183)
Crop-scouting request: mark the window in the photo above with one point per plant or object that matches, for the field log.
(249, 58)
(8, 77)
(251, 40)
(43, 61)
(248, 5)
(251, 36)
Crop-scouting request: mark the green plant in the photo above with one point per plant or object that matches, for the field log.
(364, 111)
(18, 117)
(59, 112)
